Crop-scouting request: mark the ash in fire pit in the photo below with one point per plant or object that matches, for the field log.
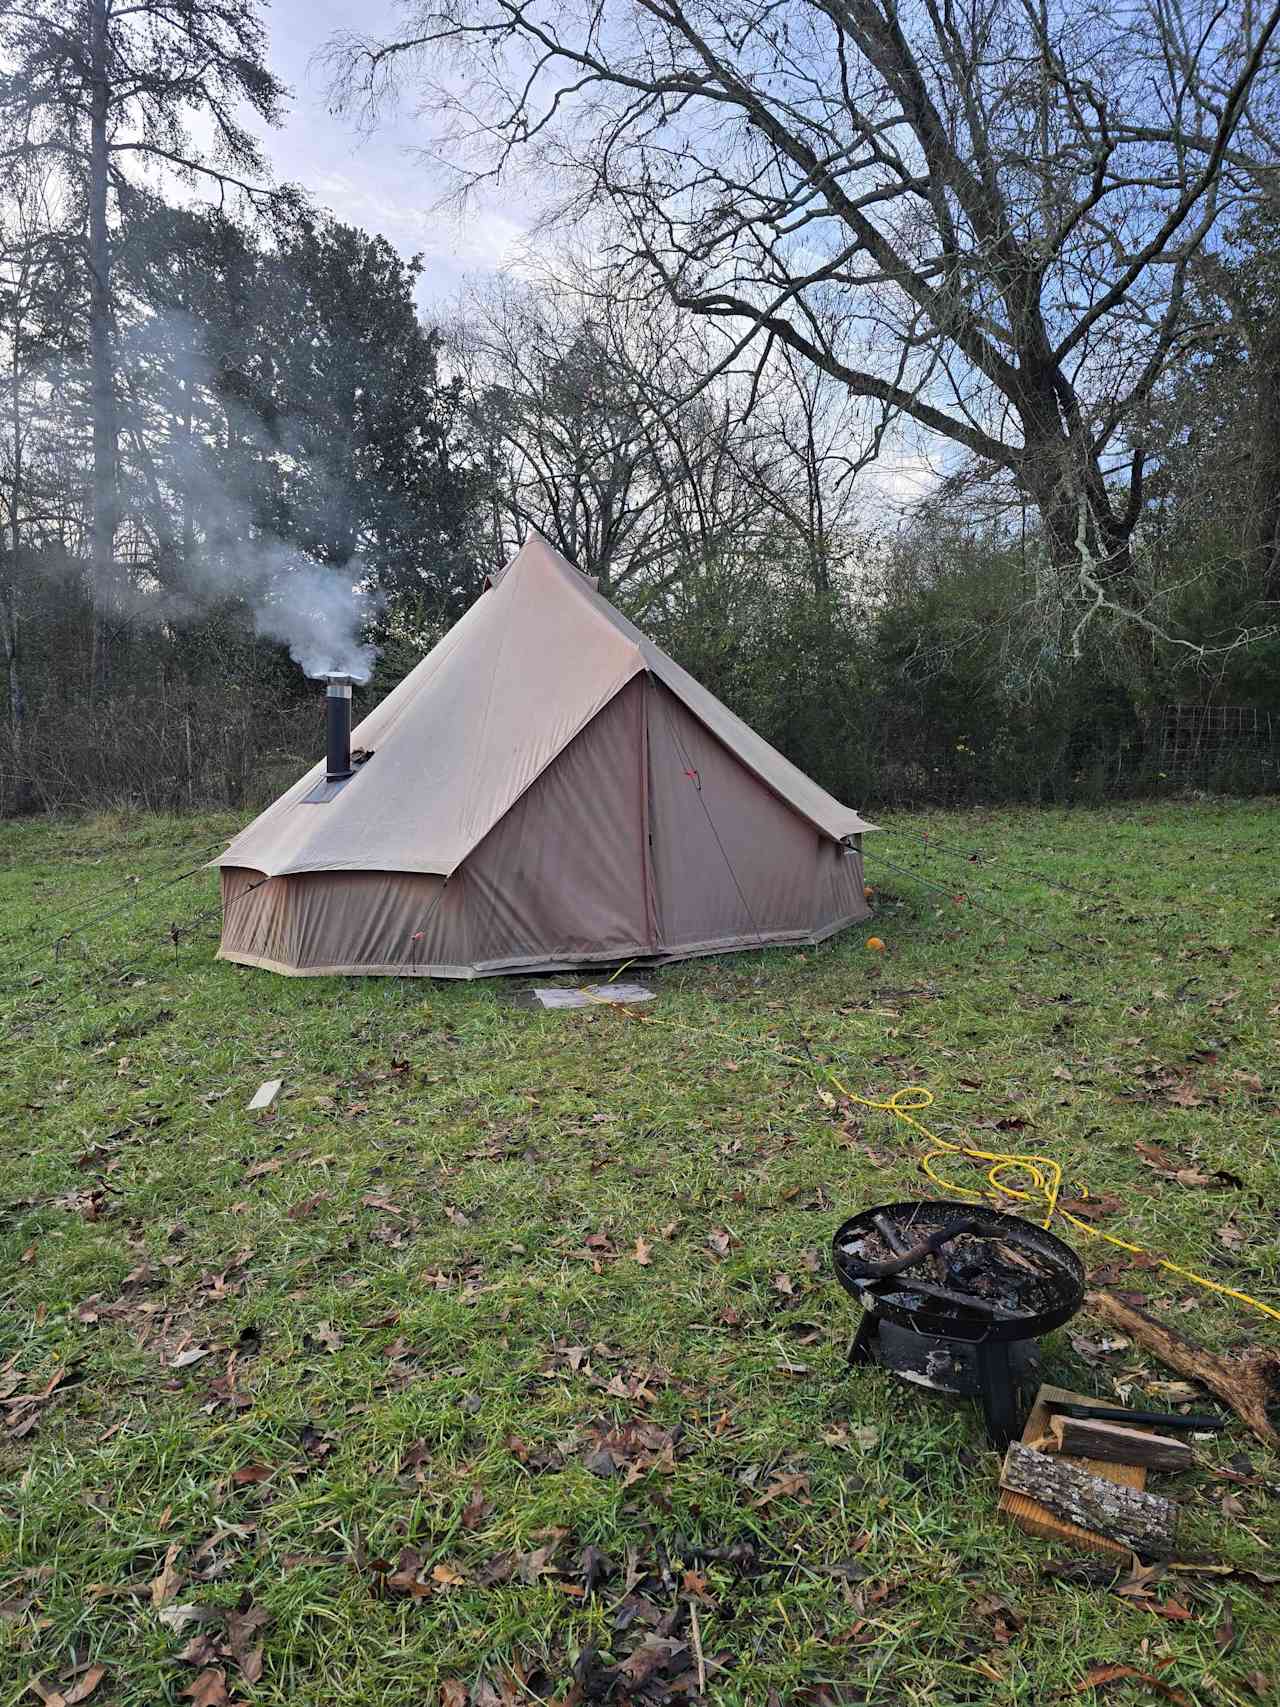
(954, 1297)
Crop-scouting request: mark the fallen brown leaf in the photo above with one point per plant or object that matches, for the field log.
(209, 1689)
(1099, 1675)
(476, 1509)
(1092, 1208)
(1234, 1238)
(248, 1474)
(260, 1168)
(1186, 1097)
(783, 1487)
(169, 1581)
(79, 1690)
(1156, 1158)
(242, 1627)
(305, 1206)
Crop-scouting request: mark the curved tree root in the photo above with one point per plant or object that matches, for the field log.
(1247, 1381)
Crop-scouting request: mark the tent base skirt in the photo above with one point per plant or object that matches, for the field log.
(638, 956)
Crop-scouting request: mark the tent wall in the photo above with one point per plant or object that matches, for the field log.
(340, 921)
(562, 880)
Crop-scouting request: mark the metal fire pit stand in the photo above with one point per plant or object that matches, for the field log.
(999, 1373)
(932, 1335)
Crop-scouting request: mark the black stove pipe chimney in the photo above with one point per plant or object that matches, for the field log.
(338, 755)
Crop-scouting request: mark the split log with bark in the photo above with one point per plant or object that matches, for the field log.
(1131, 1516)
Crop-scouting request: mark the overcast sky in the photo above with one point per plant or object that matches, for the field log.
(374, 182)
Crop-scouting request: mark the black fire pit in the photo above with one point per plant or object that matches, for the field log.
(954, 1298)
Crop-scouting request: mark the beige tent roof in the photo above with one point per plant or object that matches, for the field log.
(474, 725)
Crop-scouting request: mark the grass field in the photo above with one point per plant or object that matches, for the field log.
(500, 1360)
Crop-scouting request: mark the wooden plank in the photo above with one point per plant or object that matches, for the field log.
(1131, 1516)
(1037, 1519)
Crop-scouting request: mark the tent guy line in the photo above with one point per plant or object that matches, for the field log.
(970, 899)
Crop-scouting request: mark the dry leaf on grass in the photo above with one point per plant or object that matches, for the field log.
(306, 1206)
(784, 1487)
(192, 1354)
(169, 1581)
(1099, 1675)
(1092, 1208)
(248, 1474)
(80, 1689)
(209, 1689)
(476, 1509)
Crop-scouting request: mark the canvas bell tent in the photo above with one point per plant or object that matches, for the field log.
(546, 790)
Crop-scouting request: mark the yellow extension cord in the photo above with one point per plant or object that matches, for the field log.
(1042, 1173)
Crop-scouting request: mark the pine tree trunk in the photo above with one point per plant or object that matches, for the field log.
(12, 652)
(104, 504)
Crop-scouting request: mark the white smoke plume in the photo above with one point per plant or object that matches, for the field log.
(321, 612)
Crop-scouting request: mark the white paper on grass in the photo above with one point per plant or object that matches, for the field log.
(590, 995)
(266, 1094)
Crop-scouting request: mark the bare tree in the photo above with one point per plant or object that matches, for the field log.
(605, 423)
(811, 440)
(581, 399)
(976, 216)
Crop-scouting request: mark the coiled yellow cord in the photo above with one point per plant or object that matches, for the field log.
(1041, 1173)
